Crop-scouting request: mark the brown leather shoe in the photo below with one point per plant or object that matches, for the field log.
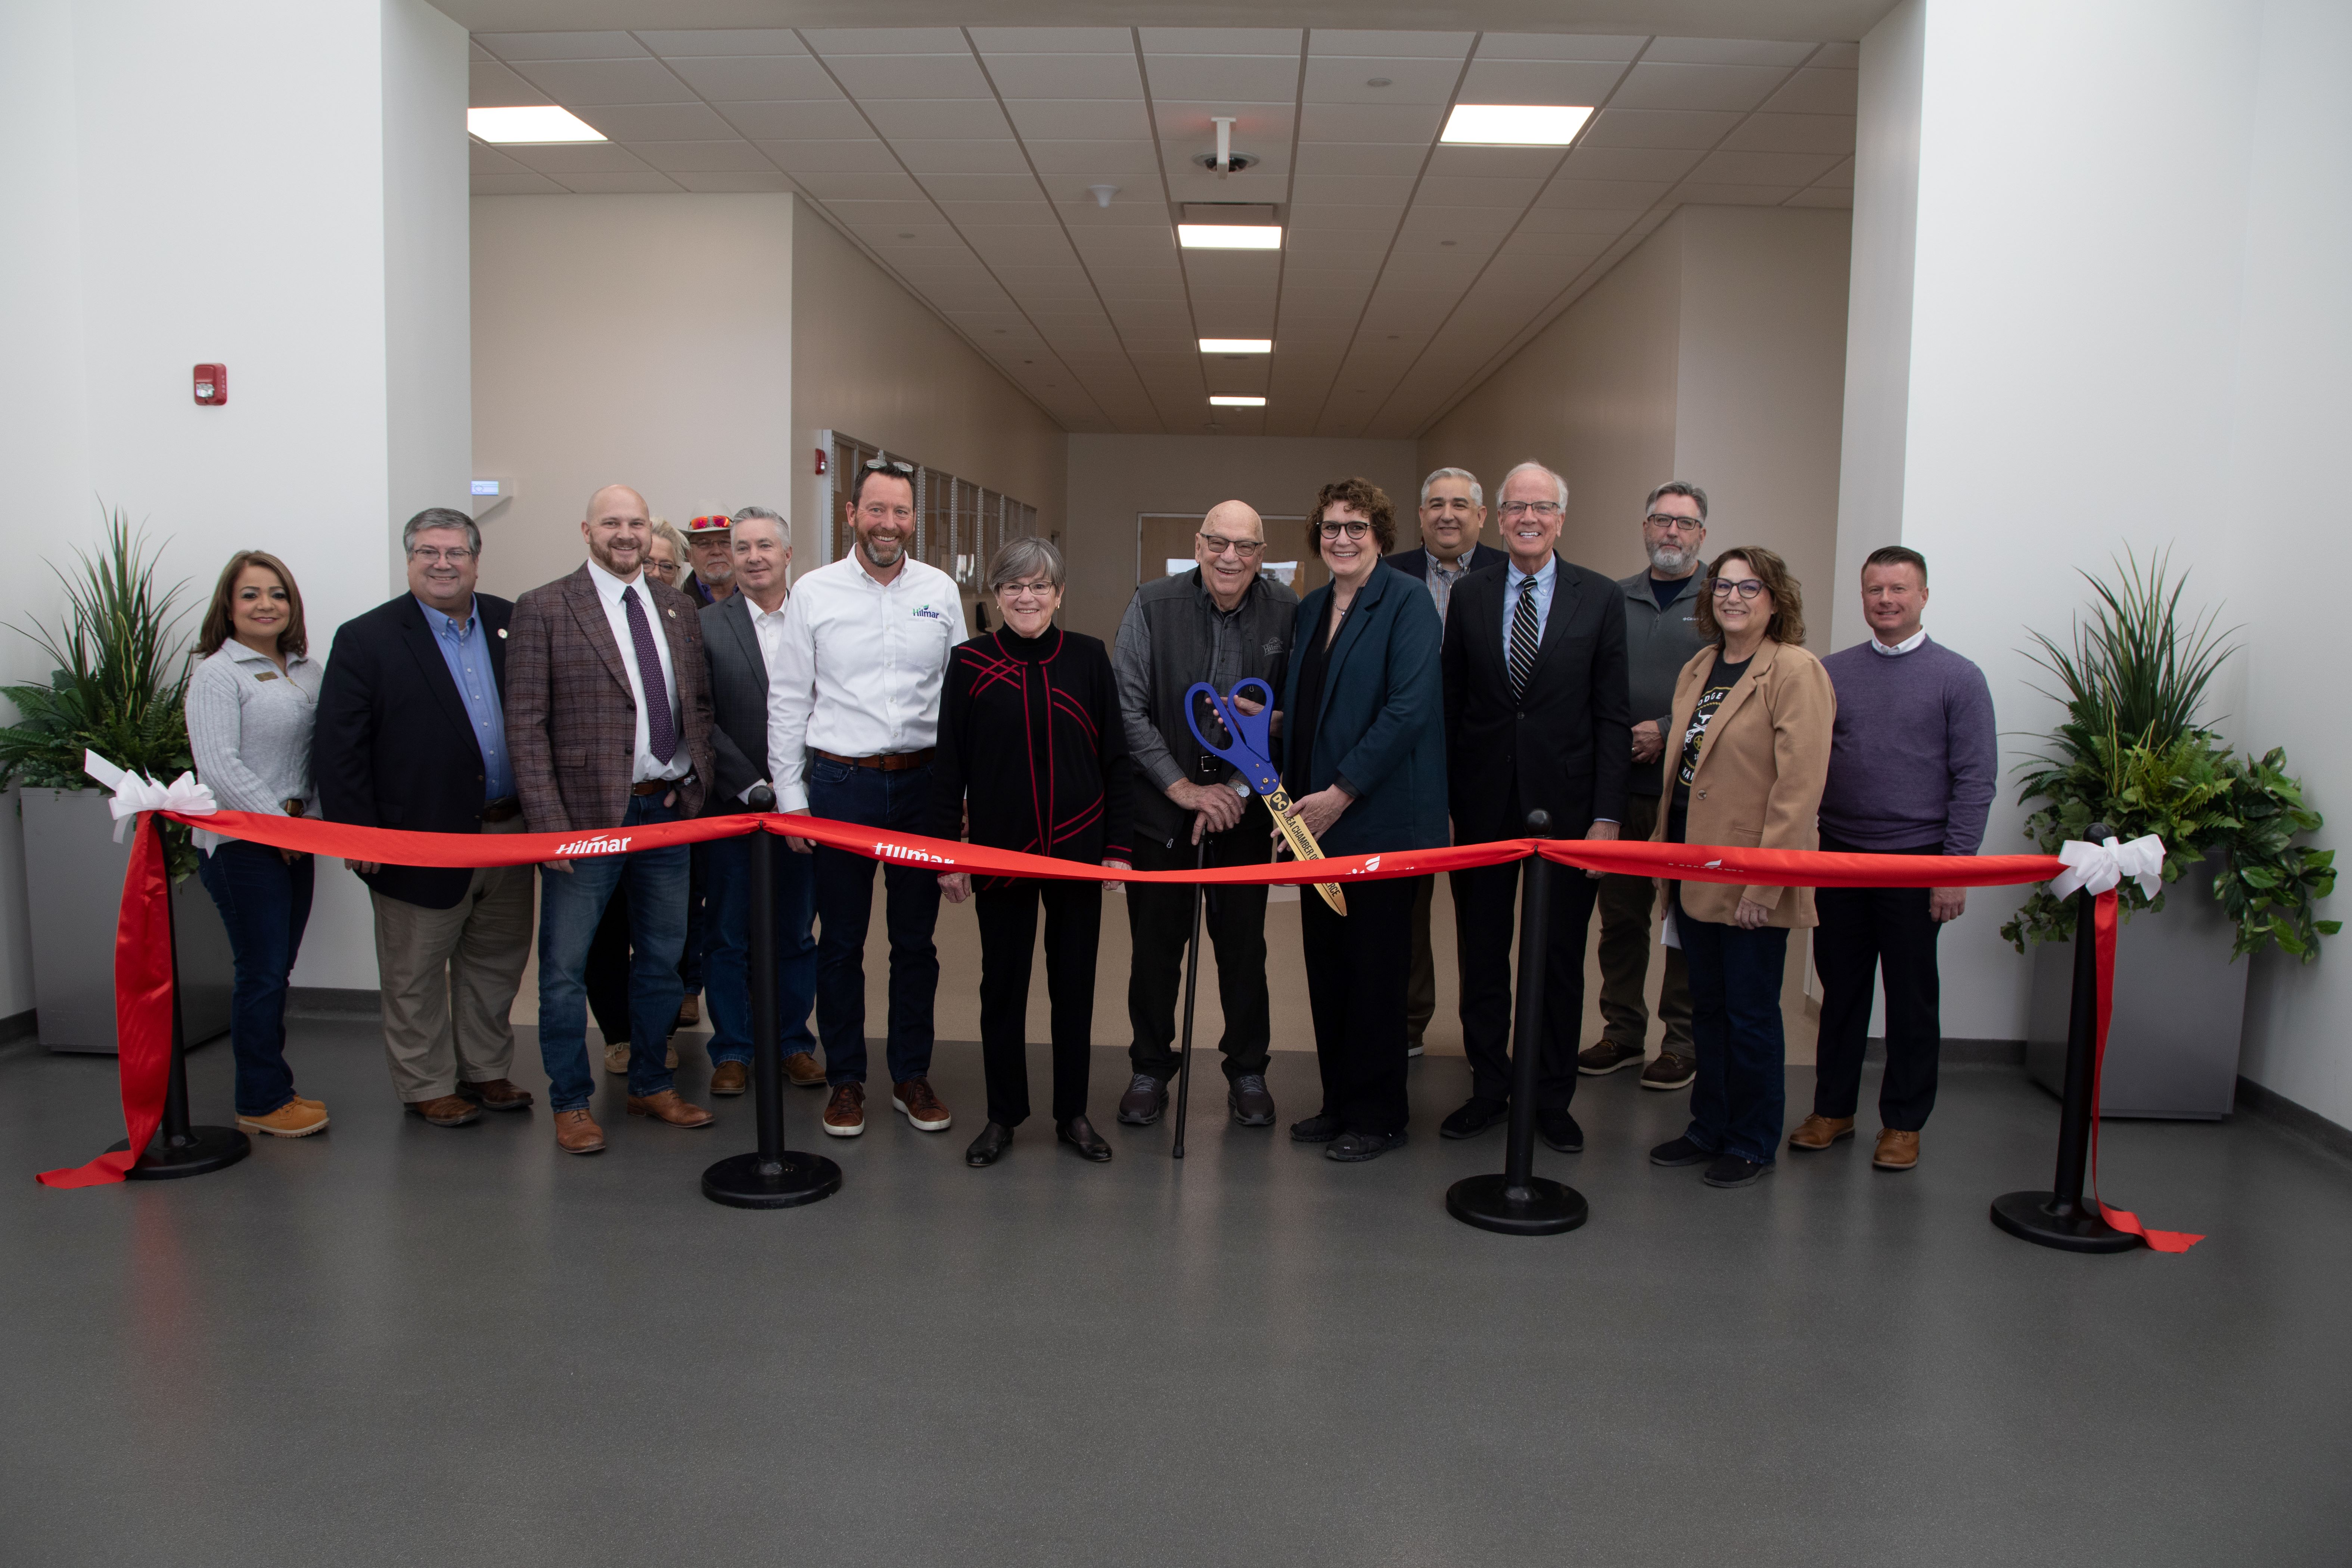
(1669, 1070)
(1896, 1150)
(803, 1071)
(914, 1101)
(446, 1109)
(498, 1094)
(845, 1113)
(730, 1078)
(668, 1107)
(689, 1011)
(1818, 1133)
(576, 1132)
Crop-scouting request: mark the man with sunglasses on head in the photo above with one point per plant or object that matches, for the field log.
(1222, 623)
(1660, 636)
(854, 685)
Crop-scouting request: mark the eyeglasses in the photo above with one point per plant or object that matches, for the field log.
(1746, 587)
(1540, 507)
(878, 464)
(1354, 528)
(1039, 590)
(1681, 524)
(457, 556)
(1245, 548)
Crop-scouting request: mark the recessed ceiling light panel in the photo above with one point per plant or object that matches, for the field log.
(1516, 124)
(539, 122)
(1221, 401)
(1236, 345)
(1229, 236)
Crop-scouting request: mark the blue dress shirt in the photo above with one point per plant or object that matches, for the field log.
(466, 650)
(1512, 579)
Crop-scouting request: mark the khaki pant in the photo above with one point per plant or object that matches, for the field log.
(1629, 918)
(449, 978)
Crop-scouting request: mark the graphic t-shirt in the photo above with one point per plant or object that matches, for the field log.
(1719, 682)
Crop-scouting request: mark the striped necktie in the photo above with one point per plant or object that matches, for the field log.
(1524, 637)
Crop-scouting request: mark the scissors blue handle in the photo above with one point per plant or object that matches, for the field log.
(1250, 752)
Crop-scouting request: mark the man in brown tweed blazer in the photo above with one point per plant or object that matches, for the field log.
(608, 720)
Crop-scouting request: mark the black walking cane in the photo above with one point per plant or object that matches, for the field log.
(1207, 771)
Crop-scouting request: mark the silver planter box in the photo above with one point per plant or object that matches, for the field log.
(2179, 1010)
(73, 876)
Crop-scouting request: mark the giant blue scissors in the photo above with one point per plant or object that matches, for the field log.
(1250, 752)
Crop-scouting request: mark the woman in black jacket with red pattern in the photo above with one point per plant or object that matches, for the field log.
(1033, 754)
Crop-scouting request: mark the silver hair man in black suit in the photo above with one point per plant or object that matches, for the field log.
(736, 636)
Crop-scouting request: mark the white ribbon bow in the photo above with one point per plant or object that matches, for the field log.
(135, 792)
(2101, 867)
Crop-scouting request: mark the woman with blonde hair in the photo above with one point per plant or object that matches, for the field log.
(252, 705)
(1753, 711)
(665, 551)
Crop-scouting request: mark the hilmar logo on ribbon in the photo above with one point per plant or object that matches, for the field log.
(599, 844)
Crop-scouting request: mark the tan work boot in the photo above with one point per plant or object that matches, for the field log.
(668, 1107)
(1818, 1133)
(576, 1132)
(730, 1078)
(446, 1109)
(802, 1071)
(294, 1118)
(617, 1059)
(1896, 1150)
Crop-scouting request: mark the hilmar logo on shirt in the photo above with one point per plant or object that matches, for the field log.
(925, 611)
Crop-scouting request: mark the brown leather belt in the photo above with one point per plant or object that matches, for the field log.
(505, 810)
(293, 807)
(655, 787)
(889, 763)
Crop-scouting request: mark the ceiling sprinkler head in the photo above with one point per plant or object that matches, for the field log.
(1102, 194)
(1224, 160)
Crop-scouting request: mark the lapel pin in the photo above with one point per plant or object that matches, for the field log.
(673, 615)
(502, 633)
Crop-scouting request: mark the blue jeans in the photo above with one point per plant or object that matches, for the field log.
(1740, 1095)
(265, 903)
(845, 906)
(571, 903)
(728, 925)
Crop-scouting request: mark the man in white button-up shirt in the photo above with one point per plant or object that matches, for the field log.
(853, 710)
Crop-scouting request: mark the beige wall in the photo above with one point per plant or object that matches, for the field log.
(631, 339)
(1114, 478)
(870, 362)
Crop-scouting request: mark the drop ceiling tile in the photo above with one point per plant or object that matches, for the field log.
(1492, 163)
(1108, 76)
(724, 41)
(1095, 160)
(641, 80)
(1015, 197)
(1369, 122)
(1843, 175)
(740, 181)
(934, 246)
(954, 156)
(886, 40)
(1221, 41)
(706, 157)
(765, 77)
(1821, 196)
(1349, 81)
(562, 158)
(559, 45)
(476, 54)
(1222, 79)
(1053, 40)
(1119, 278)
(1539, 81)
(656, 121)
(865, 156)
(1576, 220)
(1069, 282)
(485, 159)
(1531, 242)
(1604, 195)
(1793, 133)
(1727, 52)
(1737, 88)
(1673, 128)
(860, 187)
(1189, 182)
(1630, 162)
(1431, 223)
(1264, 129)
(1558, 47)
(1816, 91)
(1328, 42)
(961, 119)
(1079, 119)
(1334, 217)
(522, 184)
(1734, 195)
(493, 85)
(1137, 246)
(1763, 168)
(1130, 207)
(1025, 244)
(1843, 55)
(1361, 157)
(647, 182)
(1471, 192)
(1356, 190)
(800, 121)
(883, 78)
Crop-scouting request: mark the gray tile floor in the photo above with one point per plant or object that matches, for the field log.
(395, 1345)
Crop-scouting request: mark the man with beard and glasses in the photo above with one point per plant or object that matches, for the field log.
(854, 685)
(1660, 636)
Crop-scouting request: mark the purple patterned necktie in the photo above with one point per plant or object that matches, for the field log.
(659, 726)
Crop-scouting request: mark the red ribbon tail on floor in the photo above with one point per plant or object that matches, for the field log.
(2103, 920)
(142, 1007)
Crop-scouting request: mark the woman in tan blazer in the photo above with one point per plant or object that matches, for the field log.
(1753, 713)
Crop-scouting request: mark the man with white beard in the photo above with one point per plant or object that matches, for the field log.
(1660, 636)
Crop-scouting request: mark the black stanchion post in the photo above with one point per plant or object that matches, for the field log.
(180, 1150)
(2060, 1217)
(772, 1177)
(1210, 769)
(1518, 1202)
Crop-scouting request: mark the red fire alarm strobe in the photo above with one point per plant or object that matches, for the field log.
(212, 385)
(820, 462)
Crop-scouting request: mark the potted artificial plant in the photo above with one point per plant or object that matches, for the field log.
(118, 687)
(2137, 753)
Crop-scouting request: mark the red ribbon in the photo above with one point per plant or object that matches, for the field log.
(143, 967)
(2103, 921)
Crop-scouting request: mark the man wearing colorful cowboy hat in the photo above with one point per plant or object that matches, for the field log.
(708, 540)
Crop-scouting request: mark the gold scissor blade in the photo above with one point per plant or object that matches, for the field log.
(1303, 848)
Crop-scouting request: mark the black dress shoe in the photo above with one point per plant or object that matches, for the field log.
(1252, 1106)
(1354, 1147)
(1320, 1128)
(1474, 1117)
(1731, 1171)
(1145, 1098)
(1080, 1134)
(990, 1146)
(1559, 1130)
(1681, 1151)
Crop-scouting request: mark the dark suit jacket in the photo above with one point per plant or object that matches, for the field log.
(393, 746)
(1567, 744)
(738, 701)
(572, 722)
(1382, 727)
(1415, 562)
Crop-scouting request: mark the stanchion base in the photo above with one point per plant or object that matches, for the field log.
(1543, 1208)
(204, 1149)
(2028, 1217)
(796, 1178)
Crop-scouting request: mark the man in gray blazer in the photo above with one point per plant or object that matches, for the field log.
(736, 632)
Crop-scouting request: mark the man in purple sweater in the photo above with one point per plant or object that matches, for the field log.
(1912, 764)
